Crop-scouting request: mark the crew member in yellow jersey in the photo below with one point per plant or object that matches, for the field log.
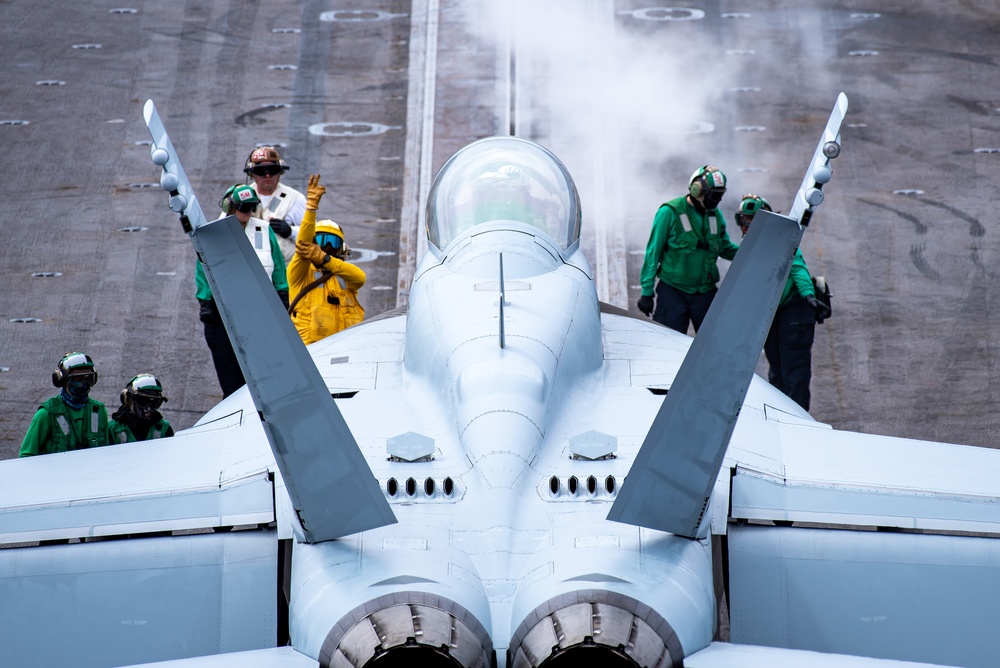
(323, 286)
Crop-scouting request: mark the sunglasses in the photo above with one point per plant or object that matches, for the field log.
(270, 170)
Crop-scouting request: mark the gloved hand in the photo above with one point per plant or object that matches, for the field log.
(283, 296)
(207, 313)
(281, 228)
(822, 310)
(314, 192)
(645, 305)
(311, 252)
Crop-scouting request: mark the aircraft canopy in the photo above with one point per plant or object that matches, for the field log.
(498, 179)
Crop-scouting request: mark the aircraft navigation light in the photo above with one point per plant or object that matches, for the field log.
(158, 155)
(822, 174)
(814, 196)
(168, 181)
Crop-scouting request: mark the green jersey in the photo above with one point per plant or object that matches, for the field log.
(58, 427)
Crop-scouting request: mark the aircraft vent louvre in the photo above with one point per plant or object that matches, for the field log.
(571, 488)
(426, 490)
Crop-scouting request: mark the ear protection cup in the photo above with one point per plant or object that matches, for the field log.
(699, 180)
(697, 185)
(248, 165)
(226, 203)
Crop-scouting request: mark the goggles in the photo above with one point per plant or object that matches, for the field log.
(143, 401)
(79, 378)
(245, 207)
(267, 170)
(328, 239)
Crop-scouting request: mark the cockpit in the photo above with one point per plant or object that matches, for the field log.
(503, 179)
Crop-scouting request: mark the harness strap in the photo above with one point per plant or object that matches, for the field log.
(324, 277)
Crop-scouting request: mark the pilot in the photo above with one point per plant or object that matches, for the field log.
(788, 346)
(687, 238)
(239, 201)
(281, 206)
(324, 286)
(506, 194)
(138, 418)
(71, 420)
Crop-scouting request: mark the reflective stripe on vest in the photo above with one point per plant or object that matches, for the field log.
(713, 223)
(260, 238)
(64, 424)
(278, 206)
(95, 420)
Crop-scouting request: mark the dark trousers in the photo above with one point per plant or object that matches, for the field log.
(227, 368)
(788, 349)
(676, 309)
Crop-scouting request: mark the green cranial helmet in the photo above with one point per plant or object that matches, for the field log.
(706, 178)
(239, 197)
(145, 386)
(74, 364)
(751, 204)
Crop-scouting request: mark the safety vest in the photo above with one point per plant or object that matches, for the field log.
(257, 232)
(278, 205)
(93, 428)
(328, 308)
(121, 433)
(688, 260)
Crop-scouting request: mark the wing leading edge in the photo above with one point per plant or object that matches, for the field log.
(671, 480)
(330, 484)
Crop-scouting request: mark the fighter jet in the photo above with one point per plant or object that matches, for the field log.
(508, 473)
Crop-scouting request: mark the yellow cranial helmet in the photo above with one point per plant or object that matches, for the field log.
(329, 236)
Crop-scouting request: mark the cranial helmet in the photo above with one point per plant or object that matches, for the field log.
(236, 196)
(329, 237)
(143, 385)
(706, 178)
(751, 204)
(263, 156)
(74, 364)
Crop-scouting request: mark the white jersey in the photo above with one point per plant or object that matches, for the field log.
(256, 231)
(289, 205)
(260, 239)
